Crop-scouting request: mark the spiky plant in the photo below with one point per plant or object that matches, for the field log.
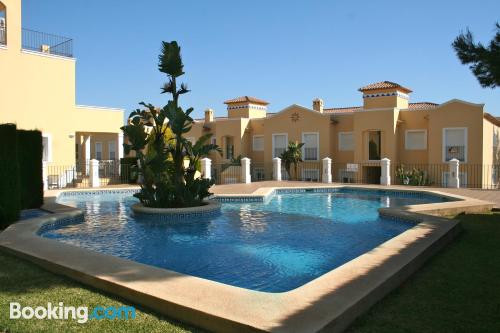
(166, 181)
(292, 155)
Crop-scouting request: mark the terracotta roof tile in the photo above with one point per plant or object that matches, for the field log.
(342, 110)
(383, 85)
(246, 99)
(422, 106)
(411, 107)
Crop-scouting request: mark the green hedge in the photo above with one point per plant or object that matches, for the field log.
(29, 156)
(10, 196)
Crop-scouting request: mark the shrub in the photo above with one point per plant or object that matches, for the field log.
(30, 155)
(10, 198)
(415, 176)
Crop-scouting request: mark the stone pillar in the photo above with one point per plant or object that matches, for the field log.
(206, 168)
(94, 173)
(120, 146)
(45, 175)
(246, 178)
(327, 170)
(86, 142)
(120, 152)
(385, 166)
(453, 177)
(277, 169)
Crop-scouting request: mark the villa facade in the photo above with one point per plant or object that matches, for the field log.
(420, 135)
(37, 89)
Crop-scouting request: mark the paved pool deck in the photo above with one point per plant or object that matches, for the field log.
(480, 194)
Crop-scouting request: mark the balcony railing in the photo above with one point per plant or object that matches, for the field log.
(47, 43)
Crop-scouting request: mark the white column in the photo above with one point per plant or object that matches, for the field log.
(385, 165)
(453, 177)
(327, 170)
(86, 142)
(246, 178)
(94, 173)
(206, 168)
(277, 169)
(45, 175)
(120, 146)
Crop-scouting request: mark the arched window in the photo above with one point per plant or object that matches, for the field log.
(3, 24)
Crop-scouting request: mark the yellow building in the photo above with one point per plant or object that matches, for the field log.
(423, 136)
(37, 91)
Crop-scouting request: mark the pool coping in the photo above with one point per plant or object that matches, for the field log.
(329, 303)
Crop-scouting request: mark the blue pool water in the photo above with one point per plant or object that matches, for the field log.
(273, 246)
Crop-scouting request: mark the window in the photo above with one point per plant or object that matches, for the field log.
(3, 25)
(346, 141)
(98, 151)
(310, 150)
(374, 139)
(47, 147)
(112, 150)
(416, 140)
(455, 144)
(229, 147)
(213, 141)
(258, 143)
(280, 142)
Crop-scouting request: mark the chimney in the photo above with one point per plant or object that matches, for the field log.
(318, 105)
(209, 115)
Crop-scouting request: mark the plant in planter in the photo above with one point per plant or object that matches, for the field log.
(292, 155)
(415, 176)
(166, 161)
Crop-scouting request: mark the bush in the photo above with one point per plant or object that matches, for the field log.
(10, 197)
(30, 155)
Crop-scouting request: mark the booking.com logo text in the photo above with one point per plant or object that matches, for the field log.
(61, 312)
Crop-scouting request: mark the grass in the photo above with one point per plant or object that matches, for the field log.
(23, 282)
(456, 291)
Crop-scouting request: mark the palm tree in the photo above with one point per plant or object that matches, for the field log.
(292, 155)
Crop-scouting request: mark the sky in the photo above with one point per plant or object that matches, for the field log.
(286, 52)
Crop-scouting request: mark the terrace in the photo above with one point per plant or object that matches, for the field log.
(46, 43)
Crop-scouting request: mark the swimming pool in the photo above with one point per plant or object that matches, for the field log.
(273, 246)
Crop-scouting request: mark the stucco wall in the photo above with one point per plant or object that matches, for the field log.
(38, 92)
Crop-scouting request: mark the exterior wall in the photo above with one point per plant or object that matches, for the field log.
(384, 101)
(232, 128)
(308, 121)
(456, 114)
(413, 120)
(244, 110)
(344, 123)
(382, 120)
(38, 92)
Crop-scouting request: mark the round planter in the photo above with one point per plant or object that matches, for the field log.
(210, 208)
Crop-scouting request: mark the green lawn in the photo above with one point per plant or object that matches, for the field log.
(457, 291)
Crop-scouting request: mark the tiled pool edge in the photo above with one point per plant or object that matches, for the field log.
(330, 302)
